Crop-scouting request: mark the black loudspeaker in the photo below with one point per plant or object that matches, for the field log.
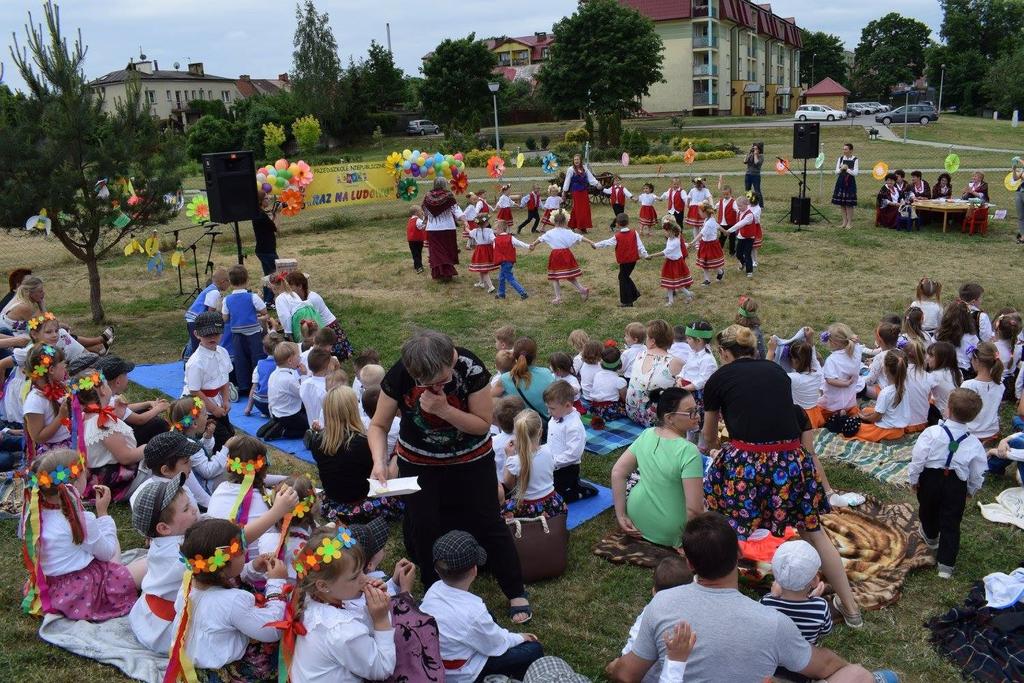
(800, 210)
(230, 186)
(806, 139)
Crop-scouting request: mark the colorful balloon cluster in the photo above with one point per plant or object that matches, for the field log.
(283, 175)
(425, 165)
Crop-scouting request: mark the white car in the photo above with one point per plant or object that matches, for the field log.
(818, 112)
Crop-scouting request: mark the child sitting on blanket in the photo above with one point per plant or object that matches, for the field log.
(530, 469)
(670, 572)
(166, 457)
(286, 539)
(561, 367)
(566, 439)
(608, 393)
(189, 416)
(287, 415)
(890, 417)
(503, 420)
(161, 511)
(797, 590)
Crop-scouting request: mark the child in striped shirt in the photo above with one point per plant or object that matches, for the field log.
(796, 592)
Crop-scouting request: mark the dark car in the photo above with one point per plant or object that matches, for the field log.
(914, 113)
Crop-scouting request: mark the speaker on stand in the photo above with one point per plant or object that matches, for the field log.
(806, 141)
(231, 189)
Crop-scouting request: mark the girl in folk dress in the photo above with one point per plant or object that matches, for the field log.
(47, 406)
(530, 470)
(710, 256)
(840, 371)
(551, 204)
(928, 297)
(696, 198)
(845, 193)
(648, 215)
(477, 210)
(674, 273)
(755, 208)
(482, 262)
(505, 204)
(562, 264)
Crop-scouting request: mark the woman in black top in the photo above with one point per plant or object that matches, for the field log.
(753, 162)
(265, 230)
(763, 478)
(442, 395)
(344, 462)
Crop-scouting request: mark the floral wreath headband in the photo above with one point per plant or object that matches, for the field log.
(39, 371)
(87, 382)
(36, 322)
(246, 467)
(301, 509)
(62, 474)
(188, 420)
(312, 559)
(221, 556)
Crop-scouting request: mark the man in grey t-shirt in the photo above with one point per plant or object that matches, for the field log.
(738, 639)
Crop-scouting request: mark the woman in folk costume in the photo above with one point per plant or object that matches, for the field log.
(442, 211)
(578, 179)
(889, 198)
(696, 197)
(845, 193)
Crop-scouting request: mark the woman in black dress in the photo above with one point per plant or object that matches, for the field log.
(845, 193)
(265, 231)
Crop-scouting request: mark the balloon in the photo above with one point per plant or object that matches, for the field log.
(1009, 183)
(879, 170)
(293, 168)
(820, 161)
(285, 173)
(689, 156)
(520, 160)
(458, 156)
(406, 164)
(415, 153)
(280, 164)
(281, 182)
(952, 163)
(267, 188)
(429, 162)
(406, 154)
(261, 178)
(271, 172)
(415, 171)
(781, 166)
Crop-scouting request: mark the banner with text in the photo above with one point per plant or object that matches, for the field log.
(347, 184)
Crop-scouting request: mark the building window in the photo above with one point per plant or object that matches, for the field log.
(544, 53)
(209, 94)
(521, 58)
(225, 95)
(151, 97)
(168, 95)
(504, 59)
(177, 97)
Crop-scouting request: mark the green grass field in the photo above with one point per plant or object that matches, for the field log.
(969, 130)
(359, 261)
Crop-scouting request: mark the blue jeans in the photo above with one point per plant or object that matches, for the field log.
(12, 452)
(506, 275)
(752, 181)
(1018, 423)
(514, 662)
(246, 351)
(997, 466)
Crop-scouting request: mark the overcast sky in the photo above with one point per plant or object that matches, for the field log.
(233, 37)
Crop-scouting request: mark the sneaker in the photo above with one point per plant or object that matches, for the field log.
(750, 275)
(837, 500)
(886, 676)
(932, 543)
(689, 298)
(524, 295)
(585, 294)
(851, 620)
(755, 264)
(478, 284)
(419, 270)
(945, 571)
(721, 274)
(705, 283)
(490, 290)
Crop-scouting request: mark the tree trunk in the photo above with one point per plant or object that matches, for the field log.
(95, 303)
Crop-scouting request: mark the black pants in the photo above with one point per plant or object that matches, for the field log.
(731, 239)
(531, 215)
(147, 430)
(416, 249)
(568, 484)
(941, 497)
(222, 432)
(628, 293)
(268, 262)
(616, 210)
(461, 497)
(287, 427)
(745, 254)
(514, 662)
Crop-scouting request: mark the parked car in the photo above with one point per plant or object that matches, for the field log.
(422, 127)
(853, 110)
(817, 112)
(879, 106)
(867, 107)
(914, 113)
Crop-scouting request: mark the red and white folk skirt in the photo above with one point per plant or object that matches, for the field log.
(546, 218)
(483, 259)
(758, 236)
(648, 216)
(580, 218)
(505, 213)
(562, 265)
(694, 218)
(675, 274)
(710, 255)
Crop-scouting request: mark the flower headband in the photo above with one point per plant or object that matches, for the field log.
(62, 474)
(902, 342)
(39, 371)
(329, 550)
(246, 467)
(188, 420)
(37, 321)
(221, 556)
(699, 334)
(610, 343)
(87, 382)
(824, 337)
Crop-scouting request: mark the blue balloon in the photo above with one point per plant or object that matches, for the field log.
(429, 162)
(438, 158)
(406, 165)
(415, 154)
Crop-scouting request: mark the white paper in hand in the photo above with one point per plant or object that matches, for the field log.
(402, 486)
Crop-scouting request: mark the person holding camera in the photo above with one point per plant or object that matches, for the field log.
(753, 161)
(845, 193)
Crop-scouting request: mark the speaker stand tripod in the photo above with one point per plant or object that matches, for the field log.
(802, 196)
(194, 248)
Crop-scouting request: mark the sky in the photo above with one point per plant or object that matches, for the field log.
(232, 37)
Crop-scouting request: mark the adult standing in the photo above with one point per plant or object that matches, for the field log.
(671, 489)
(1018, 196)
(753, 161)
(265, 230)
(764, 478)
(442, 212)
(526, 380)
(654, 368)
(845, 193)
(578, 181)
(442, 396)
(14, 281)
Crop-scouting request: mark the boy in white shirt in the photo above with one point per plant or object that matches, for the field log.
(680, 348)
(472, 644)
(368, 404)
(207, 374)
(502, 421)
(947, 466)
(287, 416)
(313, 388)
(566, 440)
(636, 335)
(608, 393)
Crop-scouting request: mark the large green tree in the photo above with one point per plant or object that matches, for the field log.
(1003, 84)
(604, 58)
(823, 57)
(384, 82)
(316, 67)
(58, 143)
(891, 51)
(454, 89)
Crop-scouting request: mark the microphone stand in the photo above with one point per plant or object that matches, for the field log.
(802, 181)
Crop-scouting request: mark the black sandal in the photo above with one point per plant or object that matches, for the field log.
(515, 610)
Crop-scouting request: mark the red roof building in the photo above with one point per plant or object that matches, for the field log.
(249, 86)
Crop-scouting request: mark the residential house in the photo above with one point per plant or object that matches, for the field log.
(518, 58)
(248, 86)
(827, 92)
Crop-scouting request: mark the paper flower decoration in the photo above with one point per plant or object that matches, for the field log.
(153, 244)
(824, 337)
(292, 201)
(40, 222)
(689, 156)
(1010, 184)
(346, 538)
(820, 160)
(520, 160)
(198, 209)
(330, 549)
(156, 264)
(407, 189)
(304, 176)
(178, 257)
(459, 183)
(625, 158)
(244, 467)
(781, 166)
(879, 170)
(952, 163)
(394, 164)
(549, 163)
(133, 247)
(495, 166)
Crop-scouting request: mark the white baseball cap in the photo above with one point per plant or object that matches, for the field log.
(795, 565)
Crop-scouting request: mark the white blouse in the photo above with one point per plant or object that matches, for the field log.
(709, 233)
(942, 385)
(97, 453)
(504, 202)
(317, 302)
(698, 369)
(695, 196)
(986, 424)
(542, 473)
(932, 314)
(673, 249)
(37, 404)
(207, 370)
(339, 648)
(854, 167)
(285, 303)
(60, 555)
(647, 198)
(607, 384)
(482, 235)
(560, 238)
(840, 365)
(552, 203)
(445, 220)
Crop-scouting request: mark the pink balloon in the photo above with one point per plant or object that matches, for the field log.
(458, 156)
(625, 159)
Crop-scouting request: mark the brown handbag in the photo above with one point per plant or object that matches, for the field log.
(542, 544)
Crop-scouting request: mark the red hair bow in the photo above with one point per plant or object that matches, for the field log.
(106, 414)
(610, 343)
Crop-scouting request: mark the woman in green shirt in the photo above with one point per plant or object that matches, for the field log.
(671, 486)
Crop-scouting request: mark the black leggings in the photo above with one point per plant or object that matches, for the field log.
(745, 253)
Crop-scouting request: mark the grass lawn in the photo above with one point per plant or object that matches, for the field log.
(359, 261)
(969, 130)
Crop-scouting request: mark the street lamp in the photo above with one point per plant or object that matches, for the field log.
(493, 87)
(942, 78)
(906, 115)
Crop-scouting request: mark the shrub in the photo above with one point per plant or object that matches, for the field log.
(456, 141)
(531, 144)
(566, 149)
(306, 131)
(387, 122)
(635, 142)
(273, 139)
(578, 135)
(477, 158)
(660, 148)
(653, 159)
(210, 134)
(544, 141)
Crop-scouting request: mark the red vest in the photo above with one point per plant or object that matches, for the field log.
(412, 233)
(503, 249)
(618, 195)
(726, 211)
(749, 230)
(533, 201)
(626, 250)
(676, 200)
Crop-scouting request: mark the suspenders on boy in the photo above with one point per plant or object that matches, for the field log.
(954, 444)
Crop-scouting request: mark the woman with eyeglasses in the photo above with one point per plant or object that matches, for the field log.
(442, 395)
(764, 476)
(670, 490)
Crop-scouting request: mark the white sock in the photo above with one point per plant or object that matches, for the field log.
(671, 296)
(707, 276)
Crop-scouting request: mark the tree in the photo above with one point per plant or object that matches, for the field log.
(210, 134)
(824, 57)
(273, 139)
(454, 89)
(353, 118)
(61, 142)
(385, 84)
(604, 58)
(307, 133)
(891, 51)
(316, 68)
(215, 108)
(1003, 85)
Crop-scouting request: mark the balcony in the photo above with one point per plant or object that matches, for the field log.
(704, 99)
(705, 42)
(705, 70)
(704, 10)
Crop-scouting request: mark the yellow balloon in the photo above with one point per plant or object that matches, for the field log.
(1010, 184)
(520, 160)
(879, 171)
(406, 153)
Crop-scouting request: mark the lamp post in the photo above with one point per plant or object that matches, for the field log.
(493, 87)
(942, 78)
(906, 115)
